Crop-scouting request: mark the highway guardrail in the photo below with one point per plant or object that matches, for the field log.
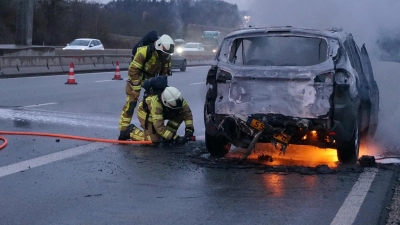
(58, 61)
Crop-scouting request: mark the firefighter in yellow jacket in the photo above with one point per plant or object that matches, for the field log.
(154, 110)
(149, 61)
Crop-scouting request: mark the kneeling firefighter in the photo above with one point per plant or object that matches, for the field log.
(149, 61)
(159, 104)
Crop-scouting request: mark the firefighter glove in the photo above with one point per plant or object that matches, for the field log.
(189, 132)
(178, 140)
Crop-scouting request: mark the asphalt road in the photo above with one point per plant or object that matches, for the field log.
(46, 180)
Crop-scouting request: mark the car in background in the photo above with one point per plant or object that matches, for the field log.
(193, 46)
(211, 40)
(286, 85)
(178, 62)
(179, 43)
(84, 44)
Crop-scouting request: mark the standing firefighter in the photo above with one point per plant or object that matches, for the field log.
(149, 61)
(154, 110)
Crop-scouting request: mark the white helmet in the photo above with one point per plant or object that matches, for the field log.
(165, 44)
(172, 98)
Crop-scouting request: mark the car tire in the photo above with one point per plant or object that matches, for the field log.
(347, 151)
(183, 68)
(217, 146)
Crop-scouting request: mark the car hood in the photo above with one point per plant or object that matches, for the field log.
(289, 90)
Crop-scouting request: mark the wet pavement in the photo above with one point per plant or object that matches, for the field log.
(90, 183)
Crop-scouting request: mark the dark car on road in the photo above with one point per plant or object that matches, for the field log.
(286, 85)
(178, 62)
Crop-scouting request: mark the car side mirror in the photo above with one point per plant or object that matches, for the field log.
(67, 44)
(91, 45)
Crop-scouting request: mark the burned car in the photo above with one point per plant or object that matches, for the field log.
(285, 85)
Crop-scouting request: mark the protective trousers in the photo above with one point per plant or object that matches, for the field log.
(129, 107)
(151, 134)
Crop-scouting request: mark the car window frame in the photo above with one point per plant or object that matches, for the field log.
(328, 53)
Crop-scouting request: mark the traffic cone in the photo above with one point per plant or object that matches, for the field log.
(71, 75)
(117, 75)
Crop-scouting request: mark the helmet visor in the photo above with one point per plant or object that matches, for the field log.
(163, 56)
(167, 51)
(177, 104)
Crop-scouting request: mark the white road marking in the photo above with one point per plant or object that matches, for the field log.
(46, 159)
(351, 206)
(98, 81)
(197, 83)
(37, 105)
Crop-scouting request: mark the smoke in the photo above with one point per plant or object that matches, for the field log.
(367, 20)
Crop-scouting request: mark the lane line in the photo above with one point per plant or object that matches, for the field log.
(46, 159)
(98, 81)
(197, 83)
(37, 105)
(352, 204)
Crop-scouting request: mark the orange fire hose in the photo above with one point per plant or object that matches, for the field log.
(69, 137)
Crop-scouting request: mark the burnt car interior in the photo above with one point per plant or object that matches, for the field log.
(278, 51)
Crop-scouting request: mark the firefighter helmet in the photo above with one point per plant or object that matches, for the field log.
(165, 44)
(155, 84)
(172, 98)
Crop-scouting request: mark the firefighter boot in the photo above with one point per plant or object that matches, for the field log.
(126, 134)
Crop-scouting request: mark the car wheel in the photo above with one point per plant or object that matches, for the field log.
(347, 151)
(217, 146)
(183, 68)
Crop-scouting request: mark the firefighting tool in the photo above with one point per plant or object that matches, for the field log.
(69, 137)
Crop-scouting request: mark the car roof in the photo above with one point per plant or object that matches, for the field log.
(193, 43)
(88, 39)
(333, 33)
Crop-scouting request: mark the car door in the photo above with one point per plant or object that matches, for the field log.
(355, 60)
(91, 44)
(100, 46)
(373, 91)
(96, 44)
(361, 81)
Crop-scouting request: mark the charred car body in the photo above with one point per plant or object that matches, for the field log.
(289, 85)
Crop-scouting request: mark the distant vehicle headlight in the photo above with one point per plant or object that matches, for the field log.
(179, 50)
(63, 48)
(214, 50)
